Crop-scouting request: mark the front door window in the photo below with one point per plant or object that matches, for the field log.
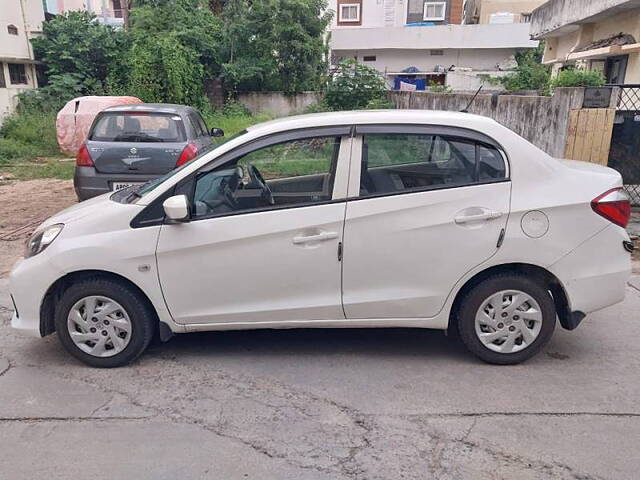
(298, 172)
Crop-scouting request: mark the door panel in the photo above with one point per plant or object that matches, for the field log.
(274, 265)
(404, 253)
(415, 228)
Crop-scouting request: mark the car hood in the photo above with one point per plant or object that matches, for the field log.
(89, 210)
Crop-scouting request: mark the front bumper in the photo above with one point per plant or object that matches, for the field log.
(29, 281)
(27, 328)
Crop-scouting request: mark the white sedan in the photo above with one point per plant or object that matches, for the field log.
(353, 219)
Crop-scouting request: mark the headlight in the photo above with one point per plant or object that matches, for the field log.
(41, 239)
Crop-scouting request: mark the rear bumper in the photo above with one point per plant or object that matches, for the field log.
(89, 183)
(595, 274)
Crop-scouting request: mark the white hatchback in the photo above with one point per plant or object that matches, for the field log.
(353, 219)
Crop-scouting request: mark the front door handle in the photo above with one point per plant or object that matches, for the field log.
(317, 237)
(478, 217)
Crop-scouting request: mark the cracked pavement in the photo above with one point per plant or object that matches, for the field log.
(326, 404)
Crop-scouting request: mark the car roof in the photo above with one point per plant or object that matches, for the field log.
(151, 107)
(356, 117)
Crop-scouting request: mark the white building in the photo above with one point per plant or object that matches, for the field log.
(107, 11)
(20, 20)
(393, 35)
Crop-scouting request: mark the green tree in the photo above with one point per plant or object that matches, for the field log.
(274, 44)
(173, 47)
(74, 43)
(354, 86)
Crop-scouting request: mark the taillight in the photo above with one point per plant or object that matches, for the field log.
(83, 159)
(613, 205)
(189, 153)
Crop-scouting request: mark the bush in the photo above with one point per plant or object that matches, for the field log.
(52, 98)
(578, 78)
(437, 88)
(353, 86)
(13, 150)
(530, 74)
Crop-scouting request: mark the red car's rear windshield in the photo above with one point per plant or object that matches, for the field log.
(138, 127)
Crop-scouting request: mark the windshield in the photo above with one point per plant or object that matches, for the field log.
(138, 127)
(140, 191)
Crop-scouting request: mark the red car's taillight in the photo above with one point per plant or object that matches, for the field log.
(613, 205)
(83, 159)
(189, 153)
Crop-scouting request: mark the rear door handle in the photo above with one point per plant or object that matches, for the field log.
(319, 237)
(478, 217)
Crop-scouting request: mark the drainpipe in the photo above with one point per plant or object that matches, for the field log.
(25, 26)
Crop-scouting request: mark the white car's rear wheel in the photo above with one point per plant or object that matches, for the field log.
(506, 318)
(104, 322)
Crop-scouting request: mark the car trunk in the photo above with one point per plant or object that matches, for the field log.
(143, 158)
(134, 142)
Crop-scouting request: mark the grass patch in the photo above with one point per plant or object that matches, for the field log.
(232, 124)
(50, 168)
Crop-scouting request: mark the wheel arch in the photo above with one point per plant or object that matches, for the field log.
(55, 291)
(548, 279)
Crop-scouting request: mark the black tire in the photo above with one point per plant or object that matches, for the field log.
(141, 316)
(473, 300)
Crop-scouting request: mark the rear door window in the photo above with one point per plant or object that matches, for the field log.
(393, 163)
(138, 127)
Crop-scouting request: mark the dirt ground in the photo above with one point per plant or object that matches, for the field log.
(23, 206)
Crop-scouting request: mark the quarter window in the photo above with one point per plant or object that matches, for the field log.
(393, 163)
(298, 172)
(434, 11)
(350, 12)
(198, 125)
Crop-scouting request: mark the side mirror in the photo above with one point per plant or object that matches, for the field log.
(176, 208)
(217, 132)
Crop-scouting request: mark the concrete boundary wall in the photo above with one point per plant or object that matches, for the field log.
(277, 103)
(544, 121)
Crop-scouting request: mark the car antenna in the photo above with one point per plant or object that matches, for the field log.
(466, 109)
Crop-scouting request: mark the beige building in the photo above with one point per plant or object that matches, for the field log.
(594, 34)
(499, 11)
(20, 20)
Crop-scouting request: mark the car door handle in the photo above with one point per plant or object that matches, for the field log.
(488, 215)
(318, 237)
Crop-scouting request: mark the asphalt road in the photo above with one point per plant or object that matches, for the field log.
(326, 404)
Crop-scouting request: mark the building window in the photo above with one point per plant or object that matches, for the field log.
(3, 84)
(525, 18)
(12, 29)
(369, 58)
(349, 12)
(436, 53)
(17, 74)
(434, 11)
(117, 9)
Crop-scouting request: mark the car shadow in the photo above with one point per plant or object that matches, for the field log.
(407, 342)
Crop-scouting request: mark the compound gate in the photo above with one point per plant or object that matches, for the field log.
(624, 154)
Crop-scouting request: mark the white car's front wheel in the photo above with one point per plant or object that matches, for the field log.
(506, 318)
(103, 322)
